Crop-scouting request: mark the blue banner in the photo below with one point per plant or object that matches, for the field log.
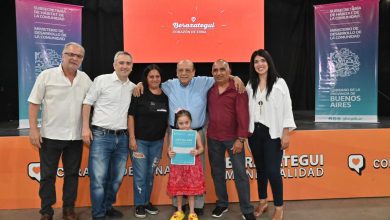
(42, 30)
(346, 40)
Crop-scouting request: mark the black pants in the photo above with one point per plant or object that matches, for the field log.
(267, 155)
(49, 154)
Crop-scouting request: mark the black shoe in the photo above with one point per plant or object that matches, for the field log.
(140, 211)
(151, 209)
(69, 214)
(248, 216)
(218, 211)
(46, 217)
(99, 218)
(199, 211)
(113, 213)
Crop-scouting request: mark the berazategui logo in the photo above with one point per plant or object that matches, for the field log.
(192, 27)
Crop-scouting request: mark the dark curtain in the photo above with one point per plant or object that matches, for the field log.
(289, 36)
(384, 58)
(8, 63)
(102, 35)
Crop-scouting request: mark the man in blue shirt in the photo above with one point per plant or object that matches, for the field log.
(190, 93)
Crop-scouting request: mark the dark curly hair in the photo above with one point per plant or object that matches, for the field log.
(146, 73)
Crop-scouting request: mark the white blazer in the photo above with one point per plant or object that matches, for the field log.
(277, 109)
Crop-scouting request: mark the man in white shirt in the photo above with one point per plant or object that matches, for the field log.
(110, 94)
(61, 91)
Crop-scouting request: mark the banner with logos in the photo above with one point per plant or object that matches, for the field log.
(318, 165)
(346, 41)
(42, 30)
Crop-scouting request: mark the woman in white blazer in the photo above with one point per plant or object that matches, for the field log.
(271, 119)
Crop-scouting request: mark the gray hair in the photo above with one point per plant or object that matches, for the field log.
(73, 44)
(224, 62)
(122, 53)
(186, 61)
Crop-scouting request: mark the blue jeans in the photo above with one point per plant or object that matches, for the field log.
(216, 150)
(107, 164)
(145, 161)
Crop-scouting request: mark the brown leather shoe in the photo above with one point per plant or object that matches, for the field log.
(261, 208)
(278, 215)
(46, 217)
(69, 214)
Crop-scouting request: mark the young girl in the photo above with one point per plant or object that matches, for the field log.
(186, 180)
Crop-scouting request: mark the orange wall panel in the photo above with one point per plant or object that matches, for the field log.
(318, 165)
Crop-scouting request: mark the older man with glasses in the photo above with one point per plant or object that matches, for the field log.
(60, 91)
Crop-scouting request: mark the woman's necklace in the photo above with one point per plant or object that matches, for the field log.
(261, 105)
(261, 102)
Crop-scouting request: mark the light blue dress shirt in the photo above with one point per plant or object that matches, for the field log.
(192, 97)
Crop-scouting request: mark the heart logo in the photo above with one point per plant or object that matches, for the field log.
(356, 161)
(193, 19)
(36, 170)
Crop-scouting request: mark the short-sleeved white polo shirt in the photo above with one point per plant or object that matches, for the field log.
(61, 103)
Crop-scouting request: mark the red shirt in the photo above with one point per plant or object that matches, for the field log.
(228, 113)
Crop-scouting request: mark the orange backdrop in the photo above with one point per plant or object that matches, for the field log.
(318, 165)
(171, 30)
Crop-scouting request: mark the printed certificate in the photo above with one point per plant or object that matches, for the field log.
(183, 142)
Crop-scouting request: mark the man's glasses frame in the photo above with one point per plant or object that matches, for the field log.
(74, 55)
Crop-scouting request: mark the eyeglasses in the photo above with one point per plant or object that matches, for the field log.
(74, 55)
(184, 70)
(222, 69)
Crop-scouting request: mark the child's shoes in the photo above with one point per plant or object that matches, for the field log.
(192, 216)
(179, 215)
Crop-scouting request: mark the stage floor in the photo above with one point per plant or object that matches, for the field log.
(303, 119)
(346, 209)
